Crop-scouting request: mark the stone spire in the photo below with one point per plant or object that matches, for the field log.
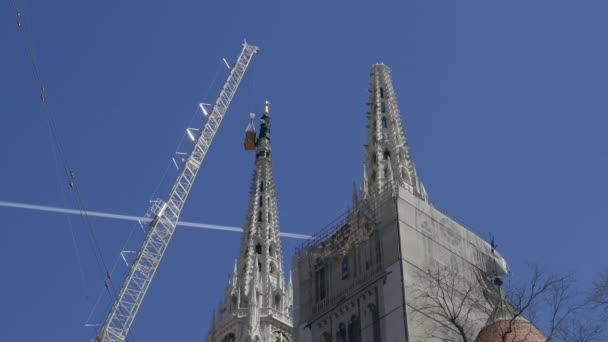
(387, 161)
(257, 302)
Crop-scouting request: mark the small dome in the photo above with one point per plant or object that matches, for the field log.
(522, 331)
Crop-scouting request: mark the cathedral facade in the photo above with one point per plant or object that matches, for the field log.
(360, 279)
(256, 302)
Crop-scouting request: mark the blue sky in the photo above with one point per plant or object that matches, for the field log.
(503, 104)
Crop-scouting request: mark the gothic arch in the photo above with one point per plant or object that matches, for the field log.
(341, 333)
(273, 268)
(373, 309)
(229, 338)
(354, 329)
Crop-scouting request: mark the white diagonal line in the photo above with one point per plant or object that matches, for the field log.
(134, 218)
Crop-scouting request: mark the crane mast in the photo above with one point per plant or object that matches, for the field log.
(166, 214)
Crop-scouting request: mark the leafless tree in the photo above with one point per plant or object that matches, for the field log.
(450, 300)
(460, 304)
(599, 293)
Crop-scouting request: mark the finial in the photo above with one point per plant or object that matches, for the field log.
(266, 105)
(251, 116)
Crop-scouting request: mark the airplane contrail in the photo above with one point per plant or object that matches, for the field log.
(135, 218)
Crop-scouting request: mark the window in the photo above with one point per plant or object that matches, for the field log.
(354, 329)
(272, 268)
(321, 282)
(378, 248)
(341, 333)
(229, 338)
(386, 154)
(384, 123)
(277, 302)
(258, 248)
(262, 186)
(261, 202)
(270, 251)
(381, 92)
(385, 172)
(259, 216)
(269, 217)
(259, 266)
(382, 107)
(375, 322)
(345, 267)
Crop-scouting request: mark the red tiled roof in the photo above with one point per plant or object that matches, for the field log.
(521, 331)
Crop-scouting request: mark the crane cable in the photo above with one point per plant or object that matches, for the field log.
(60, 154)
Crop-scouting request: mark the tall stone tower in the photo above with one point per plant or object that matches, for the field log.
(387, 161)
(364, 277)
(256, 304)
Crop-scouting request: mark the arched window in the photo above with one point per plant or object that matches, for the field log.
(321, 284)
(373, 309)
(272, 268)
(261, 202)
(381, 92)
(258, 249)
(382, 107)
(341, 333)
(386, 154)
(229, 338)
(345, 267)
(354, 329)
(261, 186)
(259, 216)
(269, 217)
(384, 123)
(378, 248)
(277, 302)
(271, 251)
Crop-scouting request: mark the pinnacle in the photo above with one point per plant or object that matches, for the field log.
(387, 159)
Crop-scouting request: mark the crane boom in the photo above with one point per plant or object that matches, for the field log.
(145, 264)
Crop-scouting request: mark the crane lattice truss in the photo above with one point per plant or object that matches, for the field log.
(133, 290)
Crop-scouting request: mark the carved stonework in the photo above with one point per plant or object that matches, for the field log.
(257, 304)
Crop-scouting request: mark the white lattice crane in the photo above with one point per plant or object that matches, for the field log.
(166, 214)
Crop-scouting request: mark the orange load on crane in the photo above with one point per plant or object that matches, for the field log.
(250, 134)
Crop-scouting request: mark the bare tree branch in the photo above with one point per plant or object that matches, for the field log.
(549, 301)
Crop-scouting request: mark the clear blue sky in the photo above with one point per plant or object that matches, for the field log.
(504, 105)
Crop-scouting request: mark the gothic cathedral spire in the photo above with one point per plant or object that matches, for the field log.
(387, 161)
(257, 302)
